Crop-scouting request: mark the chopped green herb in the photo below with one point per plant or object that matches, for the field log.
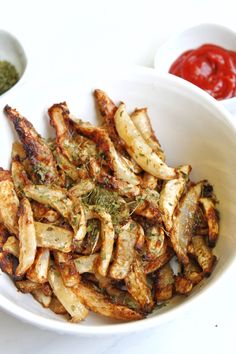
(8, 76)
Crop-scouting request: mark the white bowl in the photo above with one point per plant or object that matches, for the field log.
(192, 128)
(12, 51)
(192, 38)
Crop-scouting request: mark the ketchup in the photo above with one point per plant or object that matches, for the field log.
(210, 67)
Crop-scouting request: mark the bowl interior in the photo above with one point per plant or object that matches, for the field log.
(192, 38)
(12, 51)
(192, 130)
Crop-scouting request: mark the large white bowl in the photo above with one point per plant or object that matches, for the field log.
(192, 127)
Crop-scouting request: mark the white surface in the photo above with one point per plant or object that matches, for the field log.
(67, 33)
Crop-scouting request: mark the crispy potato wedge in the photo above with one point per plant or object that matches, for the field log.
(160, 261)
(19, 177)
(83, 187)
(86, 264)
(184, 222)
(3, 235)
(56, 307)
(67, 297)
(212, 220)
(35, 148)
(149, 181)
(43, 299)
(38, 272)
(193, 272)
(183, 285)
(53, 237)
(46, 288)
(171, 194)
(55, 197)
(12, 246)
(27, 237)
(98, 303)
(155, 239)
(204, 254)
(124, 253)
(7, 264)
(142, 123)
(43, 213)
(107, 235)
(101, 138)
(66, 166)
(27, 286)
(138, 149)
(107, 109)
(137, 286)
(140, 237)
(165, 283)
(66, 266)
(9, 202)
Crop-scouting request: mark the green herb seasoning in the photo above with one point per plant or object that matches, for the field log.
(8, 76)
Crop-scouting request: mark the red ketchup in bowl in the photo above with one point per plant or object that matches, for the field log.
(210, 67)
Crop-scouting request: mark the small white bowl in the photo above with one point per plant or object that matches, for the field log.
(192, 38)
(12, 51)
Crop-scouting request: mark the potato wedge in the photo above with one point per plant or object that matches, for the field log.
(27, 237)
(43, 299)
(171, 194)
(67, 297)
(165, 283)
(140, 237)
(212, 220)
(35, 148)
(83, 187)
(160, 261)
(184, 221)
(138, 149)
(86, 264)
(66, 166)
(19, 177)
(137, 286)
(12, 246)
(7, 263)
(56, 307)
(107, 235)
(27, 286)
(149, 181)
(53, 237)
(98, 303)
(142, 123)
(155, 239)
(124, 253)
(55, 197)
(183, 285)
(66, 266)
(38, 272)
(193, 272)
(204, 254)
(9, 202)
(101, 138)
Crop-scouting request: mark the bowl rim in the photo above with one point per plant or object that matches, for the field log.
(150, 322)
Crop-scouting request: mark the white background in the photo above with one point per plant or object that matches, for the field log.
(59, 36)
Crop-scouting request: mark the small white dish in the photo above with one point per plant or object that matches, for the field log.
(192, 38)
(12, 51)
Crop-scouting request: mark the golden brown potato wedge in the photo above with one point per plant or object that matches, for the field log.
(56, 307)
(183, 285)
(124, 253)
(53, 237)
(68, 298)
(27, 286)
(184, 222)
(35, 147)
(142, 123)
(66, 266)
(98, 303)
(38, 272)
(43, 299)
(83, 187)
(86, 264)
(7, 263)
(155, 239)
(9, 202)
(138, 149)
(160, 261)
(19, 177)
(204, 254)
(165, 283)
(12, 246)
(27, 237)
(193, 272)
(137, 286)
(149, 181)
(212, 220)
